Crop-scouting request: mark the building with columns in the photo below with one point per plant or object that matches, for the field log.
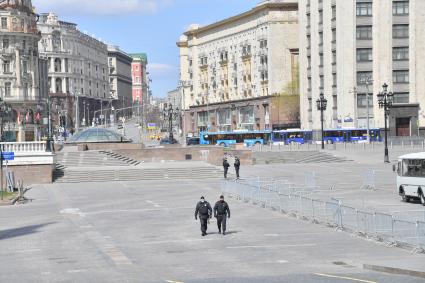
(20, 72)
(78, 72)
(241, 73)
(120, 79)
(349, 49)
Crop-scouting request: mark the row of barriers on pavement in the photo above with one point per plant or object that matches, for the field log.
(301, 202)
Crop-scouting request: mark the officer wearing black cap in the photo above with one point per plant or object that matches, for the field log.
(221, 212)
(203, 208)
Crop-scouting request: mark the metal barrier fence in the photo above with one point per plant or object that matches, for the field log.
(285, 197)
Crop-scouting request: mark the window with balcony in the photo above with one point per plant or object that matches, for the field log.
(364, 33)
(364, 9)
(400, 8)
(401, 76)
(8, 89)
(364, 55)
(4, 23)
(400, 31)
(400, 53)
(364, 77)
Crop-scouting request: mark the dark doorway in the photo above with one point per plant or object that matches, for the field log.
(402, 127)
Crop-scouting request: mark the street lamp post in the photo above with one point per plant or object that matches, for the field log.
(385, 101)
(171, 113)
(5, 109)
(322, 103)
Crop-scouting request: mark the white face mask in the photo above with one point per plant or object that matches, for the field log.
(202, 200)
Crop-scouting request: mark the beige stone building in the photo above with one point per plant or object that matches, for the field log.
(231, 70)
(352, 47)
(78, 71)
(22, 77)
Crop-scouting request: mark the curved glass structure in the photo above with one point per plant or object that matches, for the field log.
(98, 135)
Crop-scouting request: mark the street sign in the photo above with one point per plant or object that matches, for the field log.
(8, 155)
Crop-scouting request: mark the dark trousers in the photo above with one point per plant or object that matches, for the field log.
(204, 224)
(221, 222)
(225, 172)
(237, 171)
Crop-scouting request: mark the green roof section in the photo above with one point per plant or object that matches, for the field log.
(140, 56)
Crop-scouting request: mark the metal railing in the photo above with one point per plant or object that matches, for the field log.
(302, 201)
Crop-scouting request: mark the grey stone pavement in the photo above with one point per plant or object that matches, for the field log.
(146, 232)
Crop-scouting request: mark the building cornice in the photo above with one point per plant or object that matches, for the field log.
(267, 6)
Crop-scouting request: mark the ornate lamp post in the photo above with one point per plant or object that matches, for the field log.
(385, 101)
(171, 113)
(322, 103)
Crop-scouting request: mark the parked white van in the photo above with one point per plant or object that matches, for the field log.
(411, 176)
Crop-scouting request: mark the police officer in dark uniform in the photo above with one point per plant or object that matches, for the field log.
(221, 212)
(226, 166)
(237, 165)
(203, 208)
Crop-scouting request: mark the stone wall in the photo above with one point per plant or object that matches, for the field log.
(30, 174)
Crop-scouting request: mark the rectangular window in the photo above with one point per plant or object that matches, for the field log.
(6, 67)
(333, 35)
(322, 82)
(364, 32)
(364, 9)
(334, 80)
(364, 55)
(400, 31)
(4, 23)
(320, 38)
(8, 89)
(401, 97)
(400, 8)
(321, 17)
(364, 77)
(333, 12)
(5, 43)
(362, 102)
(321, 60)
(401, 76)
(24, 67)
(400, 53)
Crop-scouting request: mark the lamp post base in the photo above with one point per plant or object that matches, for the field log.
(386, 156)
(49, 146)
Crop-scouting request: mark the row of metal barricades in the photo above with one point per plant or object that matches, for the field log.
(303, 203)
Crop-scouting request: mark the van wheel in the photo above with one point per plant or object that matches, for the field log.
(222, 144)
(257, 143)
(403, 196)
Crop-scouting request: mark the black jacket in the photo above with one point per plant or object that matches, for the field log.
(203, 209)
(221, 208)
(237, 163)
(226, 164)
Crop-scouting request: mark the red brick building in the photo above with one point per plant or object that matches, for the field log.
(139, 76)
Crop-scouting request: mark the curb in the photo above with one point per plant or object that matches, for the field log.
(393, 270)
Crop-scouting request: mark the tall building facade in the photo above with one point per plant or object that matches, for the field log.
(140, 79)
(20, 70)
(120, 79)
(349, 49)
(78, 72)
(233, 72)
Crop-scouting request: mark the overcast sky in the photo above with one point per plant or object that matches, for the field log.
(151, 26)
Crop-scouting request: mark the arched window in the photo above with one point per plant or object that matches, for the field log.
(58, 65)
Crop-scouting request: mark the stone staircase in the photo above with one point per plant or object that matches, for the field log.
(139, 174)
(93, 159)
(107, 166)
(289, 157)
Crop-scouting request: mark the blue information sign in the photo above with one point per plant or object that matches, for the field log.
(8, 155)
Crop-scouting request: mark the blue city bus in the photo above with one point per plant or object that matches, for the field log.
(292, 136)
(248, 138)
(351, 135)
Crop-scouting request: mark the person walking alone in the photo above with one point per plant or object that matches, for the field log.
(221, 212)
(237, 165)
(203, 209)
(226, 166)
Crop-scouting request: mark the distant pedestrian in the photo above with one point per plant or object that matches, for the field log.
(237, 165)
(221, 212)
(226, 166)
(203, 209)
